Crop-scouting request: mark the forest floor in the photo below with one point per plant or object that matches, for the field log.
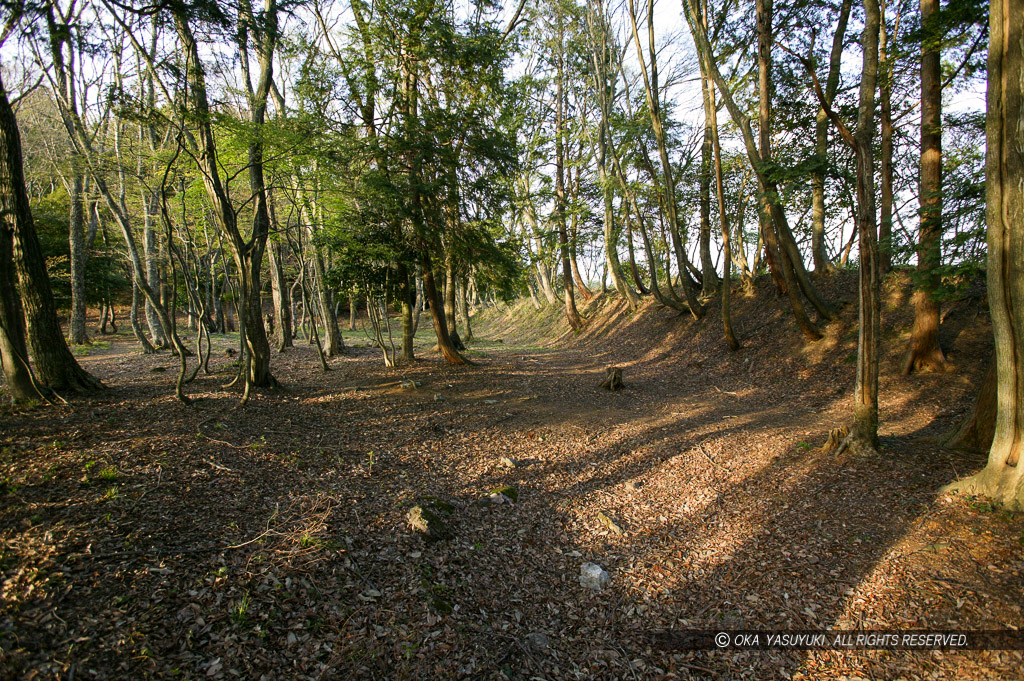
(142, 538)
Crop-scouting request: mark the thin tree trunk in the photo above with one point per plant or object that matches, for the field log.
(464, 290)
(76, 241)
(821, 261)
(278, 289)
(652, 90)
(791, 261)
(708, 276)
(886, 172)
(133, 320)
(711, 117)
(605, 86)
(863, 435)
(571, 313)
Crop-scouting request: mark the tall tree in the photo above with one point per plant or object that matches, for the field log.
(818, 253)
(863, 434)
(652, 89)
(55, 366)
(571, 313)
(780, 239)
(604, 83)
(1003, 476)
(246, 252)
(924, 352)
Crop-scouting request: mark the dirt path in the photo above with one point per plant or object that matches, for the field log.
(142, 538)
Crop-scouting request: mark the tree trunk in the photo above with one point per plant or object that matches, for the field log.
(55, 366)
(13, 349)
(279, 290)
(449, 305)
(633, 269)
(464, 291)
(821, 261)
(605, 86)
(711, 117)
(151, 251)
(133, 320)
(791, 261)
(247, 253)
(1003, 476)
(652, 90)
(571, 313)
(408, 293)
(863, 435)
(924, 352)
(886, 172)
(978, 427)
(708, 276)
(76, 241)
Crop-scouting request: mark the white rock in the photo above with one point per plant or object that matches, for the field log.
(593, 576)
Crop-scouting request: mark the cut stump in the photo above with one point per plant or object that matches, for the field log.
(613, 379)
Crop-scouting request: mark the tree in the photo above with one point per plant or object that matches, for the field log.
(924, 352)
(55, 366)
(246, 252)
(1003, 476)
(821, 261)
(649, 73)
(863, 434)
(779, 241)
(604, 83)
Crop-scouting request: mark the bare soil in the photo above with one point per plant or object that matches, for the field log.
(142, 538)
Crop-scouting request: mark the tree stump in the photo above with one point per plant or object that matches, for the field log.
(613, 380)
(836, 437)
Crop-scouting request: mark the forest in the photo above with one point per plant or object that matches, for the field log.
(409, 339)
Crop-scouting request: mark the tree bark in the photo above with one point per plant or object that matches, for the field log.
(885, 74)
(279, 290)
(924, 352)
(668, 192)
(709, 277)
(1003, 476)
(821, 261)
(55, 366)
(711, 117)
(13, 349)
(976, 430)
(572, 315)
(76, 242)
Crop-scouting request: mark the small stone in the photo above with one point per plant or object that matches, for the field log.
(438, 397)
(490, 401)
(408, 385)
(632, 486)
(507, 462)
(593, 576)
(537, 641)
